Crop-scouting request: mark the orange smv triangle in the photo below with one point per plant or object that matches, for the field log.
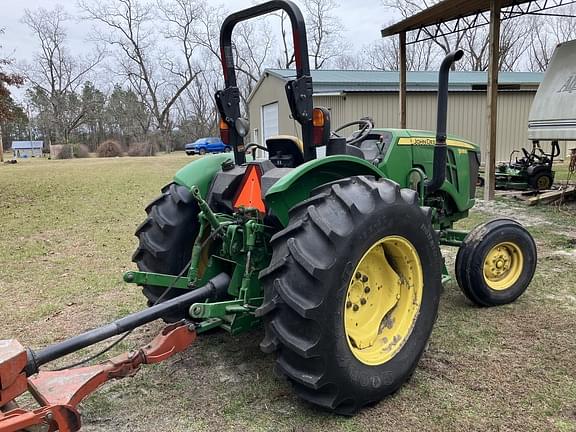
(250, 195)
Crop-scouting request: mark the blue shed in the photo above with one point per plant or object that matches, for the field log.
(26, 149)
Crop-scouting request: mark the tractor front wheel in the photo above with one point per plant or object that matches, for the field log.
(166, 238)
(351, 293)
(496, 262)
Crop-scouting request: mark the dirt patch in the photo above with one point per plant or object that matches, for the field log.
(501, 208)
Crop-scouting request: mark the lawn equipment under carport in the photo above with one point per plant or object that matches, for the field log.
(338, 257)
(532, 171)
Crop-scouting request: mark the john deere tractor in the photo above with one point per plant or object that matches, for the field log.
(338, 257)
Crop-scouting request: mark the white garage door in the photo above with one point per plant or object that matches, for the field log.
(269, 121)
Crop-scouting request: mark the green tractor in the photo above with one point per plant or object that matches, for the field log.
(337, 257)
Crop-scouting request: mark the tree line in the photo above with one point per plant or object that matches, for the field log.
(150, 67)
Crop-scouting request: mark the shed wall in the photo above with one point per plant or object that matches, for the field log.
(271, 90)
(466, 113)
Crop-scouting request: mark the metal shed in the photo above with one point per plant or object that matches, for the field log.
(452, 16)
(26, 149)
(351, 95)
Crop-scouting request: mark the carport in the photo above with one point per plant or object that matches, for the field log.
(448, 17)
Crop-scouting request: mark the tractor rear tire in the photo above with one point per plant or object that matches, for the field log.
(496, 262)
(310, 292)
(166, 238)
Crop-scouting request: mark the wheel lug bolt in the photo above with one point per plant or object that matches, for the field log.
(363, 301)
(348, 304)
(356, 307)
(364, 278)
(358, 275)
(367, 290)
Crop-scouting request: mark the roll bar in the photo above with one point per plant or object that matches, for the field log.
(298, 91)
(555, 149)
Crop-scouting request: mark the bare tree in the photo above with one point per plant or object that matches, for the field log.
(513, 43)
(156, 72)
(7, 79)
(197, 112)
(385, 53)
(55, 73)
(514, 38)
(287, 57)
(8, 109)
(408, 8)
(354, 61)
(252, 58)
(325, 32)
(253, 46)
(547, 32)
(541, 45)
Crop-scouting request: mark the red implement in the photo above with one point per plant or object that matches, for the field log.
(59, 392)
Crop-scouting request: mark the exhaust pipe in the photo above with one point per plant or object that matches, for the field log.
(215, 288)
(439, 167)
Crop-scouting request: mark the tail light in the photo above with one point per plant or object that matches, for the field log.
(320, 126)
(224, 132)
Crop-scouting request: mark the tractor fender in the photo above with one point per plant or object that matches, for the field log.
(200, 172)
(296, 186)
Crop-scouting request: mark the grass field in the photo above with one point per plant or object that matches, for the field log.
(66, 238)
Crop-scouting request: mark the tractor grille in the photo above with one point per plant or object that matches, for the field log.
(474, 164)
(452, 170)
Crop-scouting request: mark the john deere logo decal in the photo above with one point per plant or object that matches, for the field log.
(569, 86)
(424, 141)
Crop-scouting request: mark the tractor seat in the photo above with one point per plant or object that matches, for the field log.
(285, 151)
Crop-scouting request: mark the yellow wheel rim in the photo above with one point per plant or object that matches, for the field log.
(543, 183)
(503, 266)
(383, 300)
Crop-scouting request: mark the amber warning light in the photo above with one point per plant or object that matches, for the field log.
(320, 126)
(224, 132)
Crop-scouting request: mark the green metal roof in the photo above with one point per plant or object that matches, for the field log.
(378, 81)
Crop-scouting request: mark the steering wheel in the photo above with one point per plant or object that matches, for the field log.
(526, 154)
(528, 157)
(253, 146)
(365, 127)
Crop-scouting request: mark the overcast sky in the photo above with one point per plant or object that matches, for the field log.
(363, 20)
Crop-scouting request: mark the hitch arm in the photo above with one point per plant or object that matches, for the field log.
(214, 288)
(59, 392)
